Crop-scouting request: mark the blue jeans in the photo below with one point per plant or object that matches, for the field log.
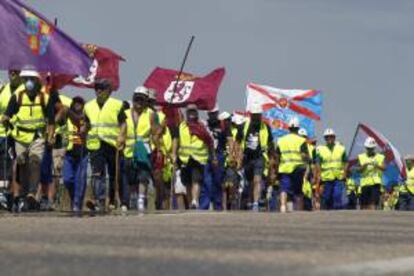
(211, 191)
(74, 178)
(406, 202)
(332, 197)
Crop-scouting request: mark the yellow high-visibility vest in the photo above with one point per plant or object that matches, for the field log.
(263, 138)
(350, 186)
(290, 154)
(371, 175)
(65, 100)
(332, 164)
(30, 119)
(104, 123)
(409, 184)
(72, 133)
(142, 130)
(5, 95)
(191, 146)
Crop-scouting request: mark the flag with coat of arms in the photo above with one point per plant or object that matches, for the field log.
(280, 105)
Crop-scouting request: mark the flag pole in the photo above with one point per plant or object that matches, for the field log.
(173, 179)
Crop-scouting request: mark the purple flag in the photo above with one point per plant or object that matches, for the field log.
(28, 39)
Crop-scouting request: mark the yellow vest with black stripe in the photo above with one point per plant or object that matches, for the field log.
(290, 152)
(30, 118)
(72, 133)
(332, 164)
(62, 129)
(371, 175)
(409, 183)
(142, 130)
(104, 123)
(191, 146)
(263, 138)
(5, 95)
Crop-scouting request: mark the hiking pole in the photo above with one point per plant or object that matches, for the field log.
(187, 52)
(117, 168)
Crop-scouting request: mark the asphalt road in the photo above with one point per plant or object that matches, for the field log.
(319, 243)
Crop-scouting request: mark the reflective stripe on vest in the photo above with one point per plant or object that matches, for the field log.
(191, 146)
(142, 130)
(72, 134)
(290, 154)
(332, 165)
(30, 118)
(104, 122)
(371, 175)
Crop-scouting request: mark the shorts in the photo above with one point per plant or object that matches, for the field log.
(33, 151)
(135, 175)
(254, 167)
(292, 183)
(192, 172)
(231, 178)
(58, 158)
(371, 194)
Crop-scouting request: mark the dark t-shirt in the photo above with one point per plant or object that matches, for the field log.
(253, 148)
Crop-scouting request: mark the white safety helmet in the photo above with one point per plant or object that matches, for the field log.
(238, 119)
(294, 122)
(29, 74)
(224, 116)
(302, 132)
(329, 132)
(142, 90)
(370, 143)
(256, 108)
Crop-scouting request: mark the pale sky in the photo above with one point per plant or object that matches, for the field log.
(358, 52)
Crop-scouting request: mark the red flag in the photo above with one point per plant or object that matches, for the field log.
(105, 66)
(201, 91)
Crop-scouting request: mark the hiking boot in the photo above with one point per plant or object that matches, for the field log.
(90, 204)
(32, 203)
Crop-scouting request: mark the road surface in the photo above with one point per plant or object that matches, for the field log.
(318, 243)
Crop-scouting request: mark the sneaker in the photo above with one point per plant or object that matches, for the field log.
(19, 206)
(124, 209)
(3, 201)
(90, 204)
(255, 207)
(283, 209)
(141, 204)
(32, 203)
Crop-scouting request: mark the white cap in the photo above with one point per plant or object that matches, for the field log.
(141, 90)
(294, 122)
(152, 94)
(256, 108)
(303, 132)
(370, 143)
(30, 73)
(329, 132)
(238, 119)
(215, 109)
(224, 115)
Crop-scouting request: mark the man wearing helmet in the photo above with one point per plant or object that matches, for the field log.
(331, 164)
(371, 167)
(292, 157)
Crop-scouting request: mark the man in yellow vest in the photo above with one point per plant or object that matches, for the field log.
(292, 158)
(34, 117)
(105, 120)
(75, 163)
(6, 92)
(258, 152)
(141, 129)
(194, 146)
(406, 192)
(332, 167)
(371, 166)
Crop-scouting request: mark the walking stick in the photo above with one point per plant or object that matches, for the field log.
(117, 168)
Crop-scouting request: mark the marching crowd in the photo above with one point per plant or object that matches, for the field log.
(136, 155)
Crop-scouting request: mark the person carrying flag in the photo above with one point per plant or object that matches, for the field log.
(406, 196)
(194, 146)
(258, 151)
(105, 121)
(371, 166)
(332, 167)
(34, 116)
(292, 157)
